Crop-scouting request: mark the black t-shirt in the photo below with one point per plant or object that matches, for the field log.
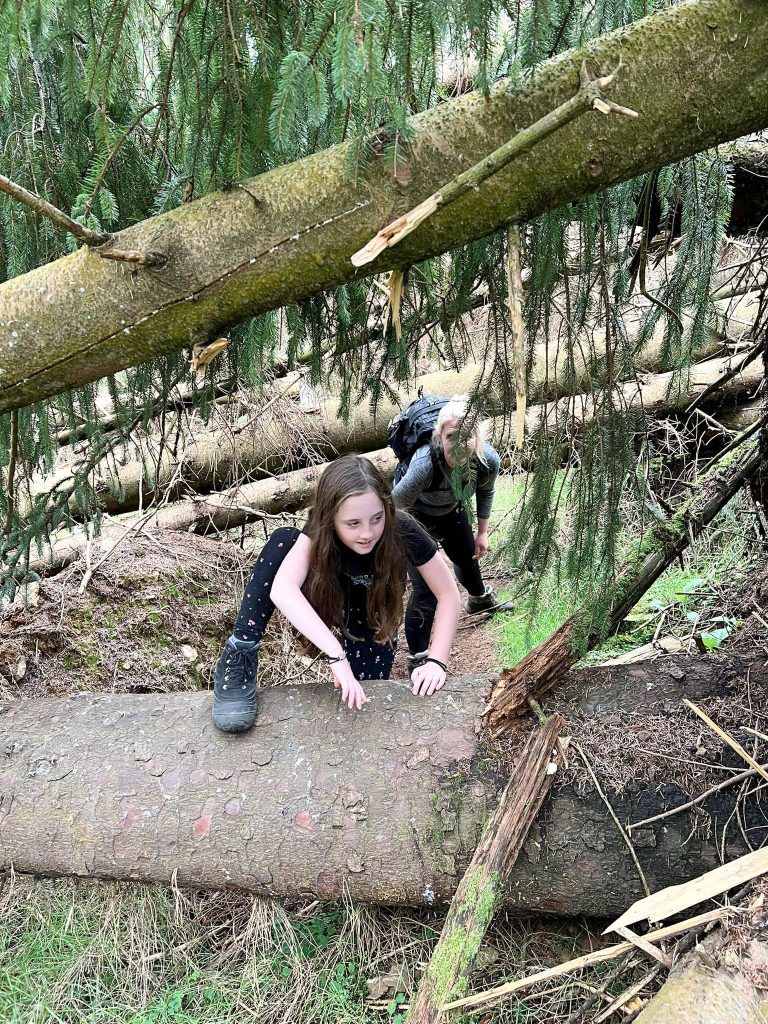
(418, 548)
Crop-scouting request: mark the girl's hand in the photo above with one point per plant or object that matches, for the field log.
(427, 679)
(351, 691)
(481, 545)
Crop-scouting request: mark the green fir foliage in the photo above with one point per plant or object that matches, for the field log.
(116, 110)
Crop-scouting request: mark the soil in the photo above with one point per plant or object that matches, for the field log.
(153, 618)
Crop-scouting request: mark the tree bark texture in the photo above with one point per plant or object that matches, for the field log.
(387, 805)
(214, 459)
(697, 74)
(701, 990)
(542, 667)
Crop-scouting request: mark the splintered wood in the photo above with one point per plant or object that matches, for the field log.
(480, 889)
(677, 898)
(587, 960)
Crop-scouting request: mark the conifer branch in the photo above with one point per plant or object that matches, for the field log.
(113, 153)
(12, 468)
(93, 239)
(515, 302)
(83, 234)
(590, 96)
(749, 356)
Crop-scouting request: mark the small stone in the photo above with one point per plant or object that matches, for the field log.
(189, 654)
(21, 669)
(399, 979)
(418, 758)
(354, 864)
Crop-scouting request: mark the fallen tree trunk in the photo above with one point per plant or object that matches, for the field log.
(274, 496)
(554, 370)
(213, 460)
(386, 805)
(708, 987)
(542, 667)
(292, 231)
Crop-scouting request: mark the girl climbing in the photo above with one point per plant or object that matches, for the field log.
(340, 582)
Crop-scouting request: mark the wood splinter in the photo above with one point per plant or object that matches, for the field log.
(588, 97)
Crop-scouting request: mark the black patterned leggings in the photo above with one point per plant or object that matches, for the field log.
(367, 658)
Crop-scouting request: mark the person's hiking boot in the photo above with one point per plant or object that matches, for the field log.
(234, 688)
(486, 603)
(416, 660)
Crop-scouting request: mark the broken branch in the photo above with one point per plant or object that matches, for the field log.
(590, 92)
(83, 234)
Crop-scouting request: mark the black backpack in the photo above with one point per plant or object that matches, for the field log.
(412, 428)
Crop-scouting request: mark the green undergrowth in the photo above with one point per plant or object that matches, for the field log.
(692, 600)
(80, 952)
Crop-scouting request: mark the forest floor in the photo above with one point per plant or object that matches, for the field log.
(152, 619)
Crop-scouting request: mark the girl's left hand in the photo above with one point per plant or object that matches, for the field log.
(427, 679)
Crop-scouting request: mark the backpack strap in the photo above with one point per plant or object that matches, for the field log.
(437, 469)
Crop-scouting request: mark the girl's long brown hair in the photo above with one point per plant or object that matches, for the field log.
(347, 476)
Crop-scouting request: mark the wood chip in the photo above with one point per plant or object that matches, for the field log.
(677, 898)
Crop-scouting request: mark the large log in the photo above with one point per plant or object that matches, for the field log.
(697, 74)
(714, 985)
(286, 493)
(386, 804)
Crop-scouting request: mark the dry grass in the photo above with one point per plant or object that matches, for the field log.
(84, 952)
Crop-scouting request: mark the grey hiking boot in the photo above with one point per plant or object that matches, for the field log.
(416, 660)
(234, 689)
(486, 603)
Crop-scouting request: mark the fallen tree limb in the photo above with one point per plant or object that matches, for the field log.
(212, 460)
(541, 668)
(599, 956)
(589, 96)
(480, 891)
(291, 231)
(386, 805)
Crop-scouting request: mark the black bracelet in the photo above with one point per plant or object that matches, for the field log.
(442, 666)
(333, 661)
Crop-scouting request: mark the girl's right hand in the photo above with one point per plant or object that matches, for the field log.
(351, 691)
(427, 679)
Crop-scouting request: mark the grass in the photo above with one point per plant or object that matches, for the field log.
(688, 600)
(81, 952)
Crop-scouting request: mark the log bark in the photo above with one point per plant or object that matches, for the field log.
(697, 74)
(213, 460)
(479, 892)
(545, 665)
(386, 805)
(701, 989)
